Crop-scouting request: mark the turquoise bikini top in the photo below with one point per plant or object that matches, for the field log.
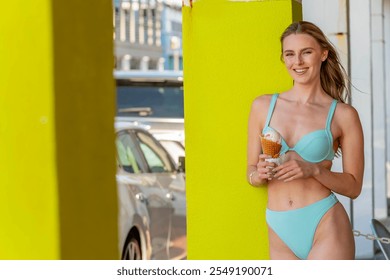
(315, 146)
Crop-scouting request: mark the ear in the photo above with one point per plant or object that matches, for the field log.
(324, 55)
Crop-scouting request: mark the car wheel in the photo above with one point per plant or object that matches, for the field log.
(133, 250)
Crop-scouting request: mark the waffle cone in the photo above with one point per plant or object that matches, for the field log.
(270, 148)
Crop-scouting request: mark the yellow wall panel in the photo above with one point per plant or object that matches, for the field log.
(85, 109)
(231, 55)
(57, 163)
(28, 194)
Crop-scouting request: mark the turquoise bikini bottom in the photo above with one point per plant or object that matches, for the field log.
(297, 227)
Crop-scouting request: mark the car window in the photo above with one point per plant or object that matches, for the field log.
(156, 157)
(157, 101)
(175, 148)
(127, 157)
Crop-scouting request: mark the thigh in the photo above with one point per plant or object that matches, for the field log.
(333, 239)
(278, 249)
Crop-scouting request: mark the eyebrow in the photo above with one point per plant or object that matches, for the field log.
(302, 50)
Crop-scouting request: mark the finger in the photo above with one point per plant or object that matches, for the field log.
(296, 175)
(263, 157)
(289, 179)
(270, 177)
(266, 178)
(287, 175)
(270, 173)
(281, 167)
(266, 164)
(263, 175)
(261, 165)
(264, 169)
(280, 171)
(271, 166)
(276, 172)
(271, 169)
(284, 167)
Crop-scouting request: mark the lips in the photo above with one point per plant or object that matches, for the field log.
(300, 71)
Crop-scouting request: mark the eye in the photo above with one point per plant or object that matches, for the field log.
(289, 54)
(307, 52)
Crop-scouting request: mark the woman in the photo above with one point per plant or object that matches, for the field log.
(305, 219)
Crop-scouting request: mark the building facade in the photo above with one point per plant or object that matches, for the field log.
(147, 34)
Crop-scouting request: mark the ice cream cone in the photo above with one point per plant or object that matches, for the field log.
(270, 148)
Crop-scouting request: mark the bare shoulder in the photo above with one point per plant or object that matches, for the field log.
(259, 110)
(261, 103)
(346, 116)
(346, 112)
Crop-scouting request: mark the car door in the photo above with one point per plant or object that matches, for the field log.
(172, 183)
(178, 234)
(144, 189)
(130, 185)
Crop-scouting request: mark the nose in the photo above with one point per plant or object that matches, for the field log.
(298, 59)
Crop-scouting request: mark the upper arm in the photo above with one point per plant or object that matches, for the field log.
(352, 143)
(257, 118)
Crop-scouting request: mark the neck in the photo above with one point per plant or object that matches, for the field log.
(308, 93)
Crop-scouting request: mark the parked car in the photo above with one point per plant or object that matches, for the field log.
(153, 98)
(176, 149)
(171, 141)
(151, 193)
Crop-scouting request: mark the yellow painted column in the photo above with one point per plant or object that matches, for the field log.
(231, 55)
(57, 158)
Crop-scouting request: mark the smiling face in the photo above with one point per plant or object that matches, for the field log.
(303, 57)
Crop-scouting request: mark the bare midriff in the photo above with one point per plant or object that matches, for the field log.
(297, 193)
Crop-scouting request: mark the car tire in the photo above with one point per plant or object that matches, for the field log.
(132, 250)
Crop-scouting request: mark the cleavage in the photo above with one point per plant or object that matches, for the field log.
(298, 138)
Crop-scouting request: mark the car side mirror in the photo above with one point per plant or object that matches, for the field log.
(182, 164)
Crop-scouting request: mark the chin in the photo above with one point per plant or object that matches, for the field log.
(303, 80)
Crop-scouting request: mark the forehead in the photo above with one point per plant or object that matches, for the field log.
(299, 41)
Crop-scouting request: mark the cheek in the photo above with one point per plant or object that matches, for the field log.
(316, 61)
(288, 64)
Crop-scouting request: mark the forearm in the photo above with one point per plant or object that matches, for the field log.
(342, 183)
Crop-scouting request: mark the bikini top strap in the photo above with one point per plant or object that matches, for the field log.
(330, 114)
(271, 109)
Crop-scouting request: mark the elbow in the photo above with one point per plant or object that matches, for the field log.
(356, 187)
(356, 191)
(354, 196)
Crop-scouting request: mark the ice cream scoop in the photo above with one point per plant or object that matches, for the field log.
(271, 143)
(273, 136)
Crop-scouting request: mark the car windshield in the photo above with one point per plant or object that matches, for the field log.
(156, 101)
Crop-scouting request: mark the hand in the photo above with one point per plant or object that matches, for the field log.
(264, 168)
(295, 169)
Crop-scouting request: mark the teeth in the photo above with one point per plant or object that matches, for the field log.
(300, 71)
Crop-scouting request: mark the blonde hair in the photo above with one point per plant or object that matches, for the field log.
(333, 76)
